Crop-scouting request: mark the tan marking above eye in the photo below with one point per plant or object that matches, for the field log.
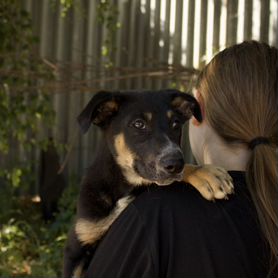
(170, 114)
(148, 116)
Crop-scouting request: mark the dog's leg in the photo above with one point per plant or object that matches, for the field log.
(87, 232)
(73, 255)
(211, 181)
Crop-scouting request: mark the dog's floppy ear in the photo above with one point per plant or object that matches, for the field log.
(99, 110)
(187, 105)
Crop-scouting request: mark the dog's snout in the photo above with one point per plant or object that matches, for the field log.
(172, 164)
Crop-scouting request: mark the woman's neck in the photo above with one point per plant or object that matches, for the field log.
(230, 157)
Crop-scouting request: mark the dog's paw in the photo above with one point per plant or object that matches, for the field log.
(211, 181)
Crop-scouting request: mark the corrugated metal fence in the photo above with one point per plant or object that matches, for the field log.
(158, 44)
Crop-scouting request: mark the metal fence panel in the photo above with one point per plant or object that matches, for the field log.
(157, 43)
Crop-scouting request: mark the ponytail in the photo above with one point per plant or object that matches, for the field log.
(262, 178)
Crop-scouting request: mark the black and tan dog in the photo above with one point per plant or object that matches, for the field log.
(141, 146)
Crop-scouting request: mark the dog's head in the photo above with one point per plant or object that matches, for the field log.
(143, 131)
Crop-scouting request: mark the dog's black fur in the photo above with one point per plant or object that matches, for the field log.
(141, 145)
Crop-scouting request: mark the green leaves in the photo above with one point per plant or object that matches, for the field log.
(24, 108)
(29, 247)
(107, 14)
(15, 177)
(66, 5)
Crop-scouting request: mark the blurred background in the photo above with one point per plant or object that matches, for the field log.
(54, 55)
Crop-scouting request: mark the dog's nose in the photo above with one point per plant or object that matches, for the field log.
(172, 165)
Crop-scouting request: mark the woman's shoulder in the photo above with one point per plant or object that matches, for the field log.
(180, 191)
(185, 203)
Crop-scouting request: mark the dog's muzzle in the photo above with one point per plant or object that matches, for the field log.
(172, 164)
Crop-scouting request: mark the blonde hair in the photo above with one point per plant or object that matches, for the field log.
(239, 89)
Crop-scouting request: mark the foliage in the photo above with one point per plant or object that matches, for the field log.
(23, 107)
(108, 17)
(30, 247)
(66, 5)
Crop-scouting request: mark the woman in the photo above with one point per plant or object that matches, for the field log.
(171, 231)
(238, 92)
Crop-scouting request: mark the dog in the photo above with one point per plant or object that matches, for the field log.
(141, 146)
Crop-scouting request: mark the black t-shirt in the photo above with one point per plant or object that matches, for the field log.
(171, 231)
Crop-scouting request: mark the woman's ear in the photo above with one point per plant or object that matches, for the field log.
(200, 100)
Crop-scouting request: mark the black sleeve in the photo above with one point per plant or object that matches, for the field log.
(125, 251)
(171, 231)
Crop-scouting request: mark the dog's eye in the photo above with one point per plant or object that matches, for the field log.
(176, 124)
(139, 124)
